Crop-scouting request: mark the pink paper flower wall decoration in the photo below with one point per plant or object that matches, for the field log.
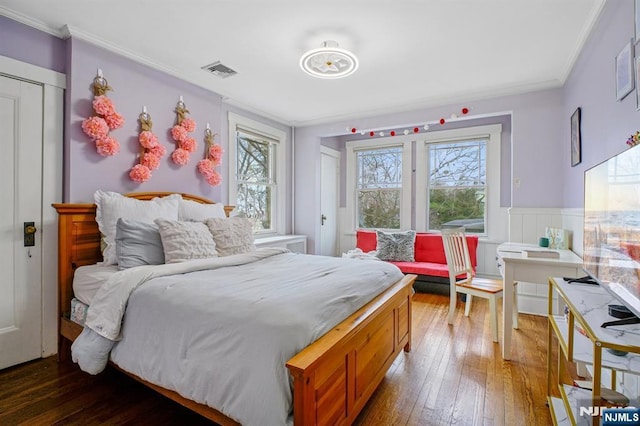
(105, 119)
(212, 158)
(180, 133)
(151, 152)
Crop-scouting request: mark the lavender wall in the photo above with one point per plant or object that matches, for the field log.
(134, 85)
(29, 45)
(606, 123)
(536, 150)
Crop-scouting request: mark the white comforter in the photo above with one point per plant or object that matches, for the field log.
(221, 335)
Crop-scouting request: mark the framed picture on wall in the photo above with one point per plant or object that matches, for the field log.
(637, 16)
(637, 74)
(624, 71)
(576, 144)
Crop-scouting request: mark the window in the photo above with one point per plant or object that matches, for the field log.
(255, 180)
(379, 188)
(457, 185)
(458, 180)
(379, 173)
(257, 173)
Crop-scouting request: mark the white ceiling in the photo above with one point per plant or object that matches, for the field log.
(412, 53)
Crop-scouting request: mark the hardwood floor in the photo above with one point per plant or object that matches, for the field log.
(454, 375)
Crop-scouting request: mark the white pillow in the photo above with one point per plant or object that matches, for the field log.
(232, 236)
(192, 210)
(111, 206)
(185, 240)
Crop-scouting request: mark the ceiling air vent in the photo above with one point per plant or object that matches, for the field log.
(219, 69)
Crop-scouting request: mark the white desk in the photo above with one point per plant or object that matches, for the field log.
(515, 266)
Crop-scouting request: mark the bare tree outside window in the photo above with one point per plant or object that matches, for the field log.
(379, 185)
(256, 184)
(457, 185)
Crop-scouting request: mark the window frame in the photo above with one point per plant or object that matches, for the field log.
(352, 148)
(492, 187)
(279, 138)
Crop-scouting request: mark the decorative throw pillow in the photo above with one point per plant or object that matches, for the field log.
(138, 243)
(396, 246)
(185, 240)
(111, 206)
(192, 210)
(232, 236)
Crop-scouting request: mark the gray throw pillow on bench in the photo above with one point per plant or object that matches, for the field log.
(396, 246)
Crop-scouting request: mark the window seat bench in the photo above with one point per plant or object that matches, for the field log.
(430, 262)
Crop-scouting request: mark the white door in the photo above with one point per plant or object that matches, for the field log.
(21, 105)
(329, 173)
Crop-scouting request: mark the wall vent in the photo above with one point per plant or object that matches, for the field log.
(217, 68)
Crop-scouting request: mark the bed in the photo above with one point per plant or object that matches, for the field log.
(332, 378)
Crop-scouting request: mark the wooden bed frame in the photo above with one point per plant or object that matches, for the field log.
(333, 378)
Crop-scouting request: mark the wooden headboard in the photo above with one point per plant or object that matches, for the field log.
(79, 240)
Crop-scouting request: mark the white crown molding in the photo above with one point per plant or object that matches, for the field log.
(68, 31)
(484, 94)
(92, 39)
(582, 39)
(481, 95)
(34, 23)
(71, 31)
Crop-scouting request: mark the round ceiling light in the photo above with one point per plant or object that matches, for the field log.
(329, 61)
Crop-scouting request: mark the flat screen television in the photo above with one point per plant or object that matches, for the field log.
(612, 226)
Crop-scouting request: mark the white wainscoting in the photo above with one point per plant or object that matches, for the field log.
(527, 225)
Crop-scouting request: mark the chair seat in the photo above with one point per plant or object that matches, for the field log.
(486, 285)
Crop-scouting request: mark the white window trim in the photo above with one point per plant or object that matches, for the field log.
(352, 147)
(494, 213)
(280, 136)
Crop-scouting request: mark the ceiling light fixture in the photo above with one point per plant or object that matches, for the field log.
(329, 61)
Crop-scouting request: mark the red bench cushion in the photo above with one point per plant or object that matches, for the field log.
(428, 252)
(424, 268)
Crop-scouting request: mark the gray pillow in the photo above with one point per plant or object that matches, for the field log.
(138, 243)
(396, 246)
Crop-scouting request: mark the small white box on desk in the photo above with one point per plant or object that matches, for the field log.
(541, 254)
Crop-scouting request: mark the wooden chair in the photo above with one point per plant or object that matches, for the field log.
(462, 279)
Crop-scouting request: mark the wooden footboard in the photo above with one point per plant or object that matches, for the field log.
(335, 376)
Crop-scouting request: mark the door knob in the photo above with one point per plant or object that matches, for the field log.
(322, 219)
(29, 234)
